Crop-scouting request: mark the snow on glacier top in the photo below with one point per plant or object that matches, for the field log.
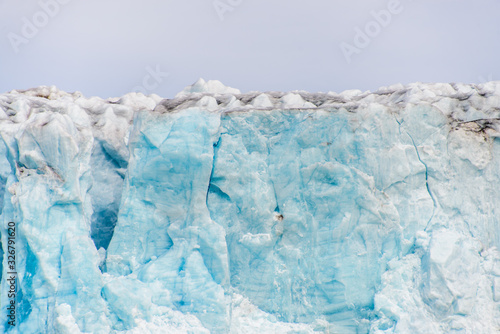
(461, 102)
(193, 95)
(211, 86)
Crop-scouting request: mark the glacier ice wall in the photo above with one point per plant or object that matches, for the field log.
(224, 212)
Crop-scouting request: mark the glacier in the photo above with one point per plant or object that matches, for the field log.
(222, 212)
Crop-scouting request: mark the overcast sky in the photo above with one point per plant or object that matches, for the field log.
(108, 48)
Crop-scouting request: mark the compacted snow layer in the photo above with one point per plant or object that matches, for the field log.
(222, 212)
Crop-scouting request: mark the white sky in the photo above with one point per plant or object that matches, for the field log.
(104, 47)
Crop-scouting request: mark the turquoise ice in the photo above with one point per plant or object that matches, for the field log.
(222, 212)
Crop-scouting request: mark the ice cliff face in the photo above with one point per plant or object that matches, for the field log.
(224, 212)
